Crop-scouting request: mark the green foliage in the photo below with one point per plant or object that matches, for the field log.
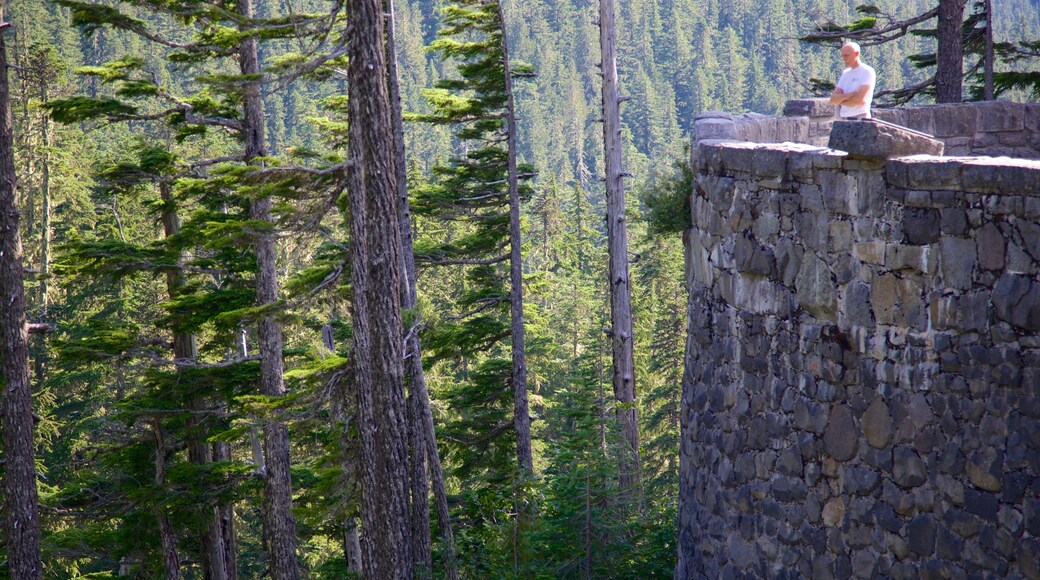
(666, 203)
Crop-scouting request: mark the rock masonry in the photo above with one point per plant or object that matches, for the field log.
(862, 386)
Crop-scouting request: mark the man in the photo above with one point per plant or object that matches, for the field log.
(855, 88)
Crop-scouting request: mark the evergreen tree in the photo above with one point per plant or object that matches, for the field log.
(22, 515)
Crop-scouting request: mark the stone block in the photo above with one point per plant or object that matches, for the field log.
(738, 157)
(981, 503)
(700, 266)
(920, 534)
(792, 130)
(1031, 117)
(872, 252)
(788, 260)
(953, 221)
(1029, 232)
(769, 162)
(995, 116)
(877, 424)
(871, 191)
(841, 236)
(1001, 175)
(897, 116)
(753, 258)
(991, 247)
(968, 312)
(925, 172)
(816, 107)
(958, 145)
(816, 288)
(1016, 300)
(908, 470)
(834, 512)
(954, 120)
(985, 468)
(838, 188)
(914, 258)
(840, 438)
(920, 119)
(870, 140)
(856, 305)
(958, 257)
(714, 128)
(921, 225)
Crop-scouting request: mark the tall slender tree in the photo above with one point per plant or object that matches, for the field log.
(22, 503)
(521, 412)
(424, 453)
(280, 524)
(376, 280)
(622, 338)
(477, 191)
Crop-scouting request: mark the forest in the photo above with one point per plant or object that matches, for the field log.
(333, 288)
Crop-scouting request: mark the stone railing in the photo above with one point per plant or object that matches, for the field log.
(861, 394)
(997, 128)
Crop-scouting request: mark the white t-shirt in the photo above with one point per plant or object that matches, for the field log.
(851, 80)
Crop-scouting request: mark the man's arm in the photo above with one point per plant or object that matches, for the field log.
(837, 97)
(856, 97)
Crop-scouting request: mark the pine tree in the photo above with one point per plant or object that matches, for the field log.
(22, 516)
(376, 280)
(476, 190)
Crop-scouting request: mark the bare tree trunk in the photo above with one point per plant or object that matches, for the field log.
(617, 242)
(226, 517)
(521, 413)
(340, 395)
(424, 451)
(23, 527)
(45, 231)
(281, 527)
(988, 89)
(949, 68)
(167, 536)
(376, 284)
(352, 546)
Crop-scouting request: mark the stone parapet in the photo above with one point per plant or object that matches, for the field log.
(861, 394)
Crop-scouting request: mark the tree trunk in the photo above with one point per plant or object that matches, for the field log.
(521, 413)
(949, 68)
(23, 527)
(213, 558)
(988, 88)
(424, 449)
(617, 248)
(281, 527)
(45, 230)
(226, 516)
(352, 546)
(167, 536)
(376, 284)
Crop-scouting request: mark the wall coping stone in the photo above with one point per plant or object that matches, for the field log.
(869, 140)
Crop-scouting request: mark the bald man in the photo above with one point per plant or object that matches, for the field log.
(855, 88)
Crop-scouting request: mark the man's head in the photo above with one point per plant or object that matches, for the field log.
(850, 54)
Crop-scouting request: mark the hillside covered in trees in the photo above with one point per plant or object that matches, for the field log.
(243, 340)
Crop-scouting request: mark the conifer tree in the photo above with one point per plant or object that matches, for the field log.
(220, 34)
(482, 190)
(622, 334)
(376, 279)
(22, 517)
(424, 455)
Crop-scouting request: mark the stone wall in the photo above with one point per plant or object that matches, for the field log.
(996, 128)
(861, 394)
